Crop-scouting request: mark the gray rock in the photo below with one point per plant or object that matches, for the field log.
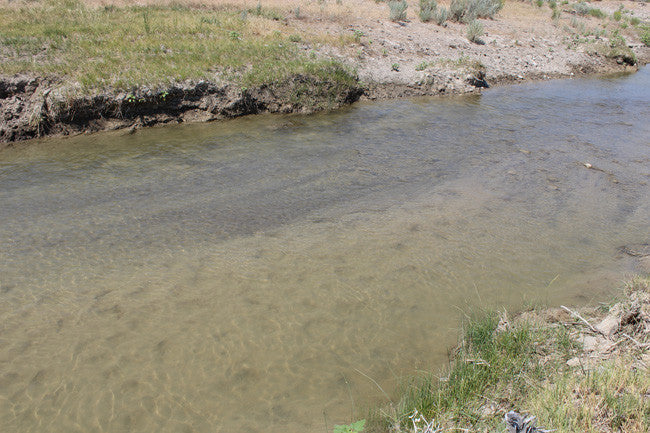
(518, 424)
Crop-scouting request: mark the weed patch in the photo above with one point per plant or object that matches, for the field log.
(465, 11)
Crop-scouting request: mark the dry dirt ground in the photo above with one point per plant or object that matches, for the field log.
(521, 42)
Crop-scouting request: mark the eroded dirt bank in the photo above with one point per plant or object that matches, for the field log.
(32, 107)
(35, 107)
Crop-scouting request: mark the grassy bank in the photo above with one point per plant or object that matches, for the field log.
(124, 47)
(549, 364)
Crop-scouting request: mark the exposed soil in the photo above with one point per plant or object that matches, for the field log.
(521, 43)
(393, 60)
(34, 107)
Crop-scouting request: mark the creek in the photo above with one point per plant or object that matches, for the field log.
(270, 273)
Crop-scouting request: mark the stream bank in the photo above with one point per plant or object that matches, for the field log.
(74, 72)
(34, 107)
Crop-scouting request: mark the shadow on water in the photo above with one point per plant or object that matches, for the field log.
(251, 275)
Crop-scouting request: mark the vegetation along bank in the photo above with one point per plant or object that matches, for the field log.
(69, 66)
(574, 370)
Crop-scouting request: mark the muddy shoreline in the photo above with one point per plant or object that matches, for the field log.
(34, 107)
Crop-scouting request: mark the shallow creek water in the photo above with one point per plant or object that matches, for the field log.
(261, 274)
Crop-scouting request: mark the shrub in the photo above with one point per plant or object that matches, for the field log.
(427, 10)
(441, 16)
(458, 10)
(475, 31)
(487, 8)
(581, 8)
(617, 15)
(584, 9)
(596, 13)
(464, 11)
(645, 36)
(397, 10)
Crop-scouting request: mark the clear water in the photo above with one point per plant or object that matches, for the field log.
(262, 274)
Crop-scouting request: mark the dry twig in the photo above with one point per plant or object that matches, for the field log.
(583, 320)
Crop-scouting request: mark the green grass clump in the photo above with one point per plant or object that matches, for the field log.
(485, 360)
(465, 11)
(422, 66)
(126, 47)
(556, 14)
(397, 10)
(611, 396)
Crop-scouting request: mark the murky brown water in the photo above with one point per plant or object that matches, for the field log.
(258, 275)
